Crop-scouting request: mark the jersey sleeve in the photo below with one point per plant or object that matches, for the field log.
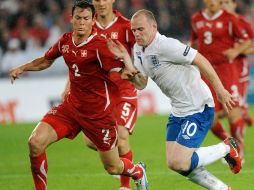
(238, 30)
(174, 51)
(108, 60)
(54, 51)
(249, 29)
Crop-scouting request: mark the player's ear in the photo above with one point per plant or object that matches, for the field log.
(93, 20)
(71, 20)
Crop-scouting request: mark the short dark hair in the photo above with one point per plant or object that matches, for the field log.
(84, 4)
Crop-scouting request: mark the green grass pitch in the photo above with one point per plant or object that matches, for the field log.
(72, 166)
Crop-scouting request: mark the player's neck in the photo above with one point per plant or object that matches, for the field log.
(104, 21)
(78, 39)
(211, 13)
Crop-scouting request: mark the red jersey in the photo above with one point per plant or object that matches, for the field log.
(242, 63)
(92, 93)
(119, 29)
(216, 34)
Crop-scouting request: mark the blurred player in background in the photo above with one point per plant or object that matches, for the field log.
(111, 24)
(214, 33)
(89, 105)
(174, 67)
(243, 68)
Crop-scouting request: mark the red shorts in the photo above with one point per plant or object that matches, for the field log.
(126, 113)
(67, 122)
(230, 79)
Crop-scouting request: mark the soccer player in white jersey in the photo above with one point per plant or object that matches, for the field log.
(175, 68)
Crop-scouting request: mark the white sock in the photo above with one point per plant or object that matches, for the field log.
(210, 154)
(205, 179)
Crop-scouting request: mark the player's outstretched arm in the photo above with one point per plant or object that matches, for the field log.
(139, 80)
(249, 50)
(223, 96)
(36, 65)
(129, 72)
(121, 52)
(232, 53)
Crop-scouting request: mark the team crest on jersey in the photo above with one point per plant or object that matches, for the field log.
(219, 25)
(138, 53)
(83, 53)
(65, 48)
(209, 25)
(155, 61)
(200, 24)
(114, 35)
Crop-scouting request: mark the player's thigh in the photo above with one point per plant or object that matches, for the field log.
(126, 113)
(235, 114)
(123, 133)
(43, 134)
(178, 153)
(88, 142)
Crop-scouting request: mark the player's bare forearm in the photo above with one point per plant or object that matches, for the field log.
(223, 96)
(249, 50)
(139, 81)
(242, 47)
(208, 72)
(37, 64)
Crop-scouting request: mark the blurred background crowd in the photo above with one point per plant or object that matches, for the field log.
(29, 27)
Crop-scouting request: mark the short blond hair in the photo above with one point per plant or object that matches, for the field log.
(148, 14)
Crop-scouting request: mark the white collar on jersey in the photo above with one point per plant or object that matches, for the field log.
(86, 41)
(216, 15)
(110, 24)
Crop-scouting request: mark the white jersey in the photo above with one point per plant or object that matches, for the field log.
(168, 63)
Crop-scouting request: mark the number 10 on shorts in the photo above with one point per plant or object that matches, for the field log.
(189, 130)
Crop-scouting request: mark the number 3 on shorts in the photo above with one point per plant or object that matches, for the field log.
(189, 129)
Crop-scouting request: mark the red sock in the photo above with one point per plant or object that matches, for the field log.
(238, 131)
(131, 170)
(219, 131)
(125, 180)
(39, 168)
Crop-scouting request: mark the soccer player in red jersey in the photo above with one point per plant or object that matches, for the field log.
(111, 24)
(89, 105)
(214, 32)
(243, 69)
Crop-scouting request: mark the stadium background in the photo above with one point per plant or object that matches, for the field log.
(27, 29)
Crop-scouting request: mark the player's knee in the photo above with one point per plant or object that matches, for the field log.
(123, 144)
(112, 169)
(36, 145)
(177, 165)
